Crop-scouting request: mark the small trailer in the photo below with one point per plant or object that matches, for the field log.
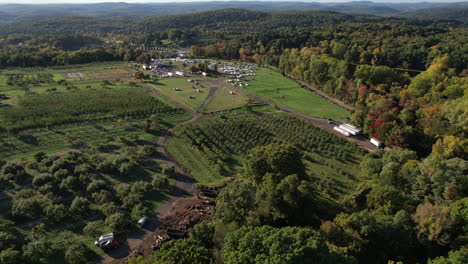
(142, 221)
(376, 142)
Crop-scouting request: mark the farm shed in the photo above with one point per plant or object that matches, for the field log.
(350, 129)
(341, 131)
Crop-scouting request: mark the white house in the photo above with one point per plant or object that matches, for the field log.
(179, 73)
(204, 74)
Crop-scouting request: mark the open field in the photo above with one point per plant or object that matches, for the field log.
(213, 148)
(224, 100)
(283, 91)
(166, 87)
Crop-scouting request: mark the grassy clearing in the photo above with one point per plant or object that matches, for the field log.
(250, 109)
(213, 148)
(285, 92)
(166, 87)
(224, 100)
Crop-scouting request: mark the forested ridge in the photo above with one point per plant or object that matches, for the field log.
(20, 12)
(405, 78)
(234, 20)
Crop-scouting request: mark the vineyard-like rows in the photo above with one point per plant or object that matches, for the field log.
(222, 142)
(21, 79)
(40, 110)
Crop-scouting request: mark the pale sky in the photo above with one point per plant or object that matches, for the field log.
(165, 1)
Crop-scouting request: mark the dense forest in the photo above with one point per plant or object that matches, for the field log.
(405, 78)
(19, 12)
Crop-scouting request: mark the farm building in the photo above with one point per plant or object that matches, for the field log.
(170, 74)
(376, 142)
(341, 131)
(350, 129)
(179, 73)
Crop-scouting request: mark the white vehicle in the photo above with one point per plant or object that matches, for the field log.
(106, 241)
(376, 142)
(142, 221)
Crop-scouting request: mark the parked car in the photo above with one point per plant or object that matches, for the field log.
(142, 221)
(107, 241)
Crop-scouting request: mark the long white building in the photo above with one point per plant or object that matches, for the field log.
(350, 129)
(342, 131)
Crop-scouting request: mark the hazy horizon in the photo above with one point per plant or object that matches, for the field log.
(187, 1)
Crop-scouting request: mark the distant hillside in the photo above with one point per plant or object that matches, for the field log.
(229, 20)
(21, 12)
(459, 13)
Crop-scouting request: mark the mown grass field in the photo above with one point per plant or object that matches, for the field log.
(166, 87)
(212, 149)
(224, 100)
(285, 92)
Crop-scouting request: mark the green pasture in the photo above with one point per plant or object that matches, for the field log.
(166, 87)
(285, 92)
(224, 100)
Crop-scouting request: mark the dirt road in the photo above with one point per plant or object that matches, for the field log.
(183, 187)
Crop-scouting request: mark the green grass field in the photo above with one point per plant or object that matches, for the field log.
(212, 149)
(285, 92)
(166, 87)
(223, 100)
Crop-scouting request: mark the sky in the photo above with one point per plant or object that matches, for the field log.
(165, 1)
